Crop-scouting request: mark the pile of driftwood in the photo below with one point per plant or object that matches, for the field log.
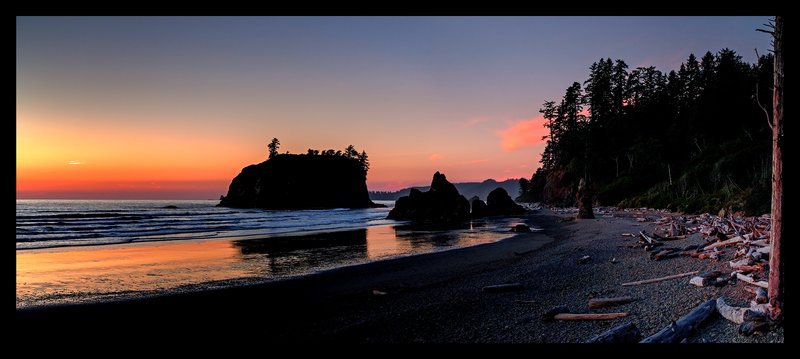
(743, 241)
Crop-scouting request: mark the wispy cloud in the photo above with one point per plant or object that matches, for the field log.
(522, 133)
(435, 157)
(73, 162)
(472, 122)
(475, 162)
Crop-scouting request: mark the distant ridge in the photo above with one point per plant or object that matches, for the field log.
(468, 189)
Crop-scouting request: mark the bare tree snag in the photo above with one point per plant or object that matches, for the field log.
(625, 333)
(684, 327)
(776, 230)
(584, 201)
(595, 303)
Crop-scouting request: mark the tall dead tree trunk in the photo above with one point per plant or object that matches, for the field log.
(584, 197)
(776, 284)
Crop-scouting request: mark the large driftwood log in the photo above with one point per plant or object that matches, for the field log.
(684, 327)
(595, 303)
(740, 314)
(625, 333)
(728, 242)
(647, 281)
(750, 280)
(589, 316)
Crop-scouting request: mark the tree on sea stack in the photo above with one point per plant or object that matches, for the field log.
(273, 147)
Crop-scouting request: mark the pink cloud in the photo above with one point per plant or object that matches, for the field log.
(435, 157)
(523, 133)
(475, 162)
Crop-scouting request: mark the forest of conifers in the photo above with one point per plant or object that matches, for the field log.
(692, 140)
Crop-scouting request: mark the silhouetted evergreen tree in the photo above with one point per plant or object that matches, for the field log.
(273, 147)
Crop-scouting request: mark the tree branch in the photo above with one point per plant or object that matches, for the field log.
(758, 101)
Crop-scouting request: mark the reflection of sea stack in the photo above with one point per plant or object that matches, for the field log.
(441, 205)
(291, 181)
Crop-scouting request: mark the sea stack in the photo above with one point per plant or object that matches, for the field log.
(290, 181)
(442, 205)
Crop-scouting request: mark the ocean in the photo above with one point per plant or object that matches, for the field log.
(71, 251)
(59, 223)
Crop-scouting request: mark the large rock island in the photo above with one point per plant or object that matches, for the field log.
(312, 181)
(442, 205)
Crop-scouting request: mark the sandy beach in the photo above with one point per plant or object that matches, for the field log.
(433, 298)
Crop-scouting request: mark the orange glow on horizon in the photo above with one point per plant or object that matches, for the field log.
(61, 159)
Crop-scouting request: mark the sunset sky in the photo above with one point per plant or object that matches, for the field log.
(166, 107)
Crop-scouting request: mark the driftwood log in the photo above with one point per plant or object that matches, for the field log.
(728, 242)
(647, 238)
(739, 315)
(741, 263)
(625, 333)
(562, 312)
(705, 279)
(550, 314)
(750, 280)
(502, 287)
(595, 303)
(589, 316)
(647, 281)
(685, 326)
